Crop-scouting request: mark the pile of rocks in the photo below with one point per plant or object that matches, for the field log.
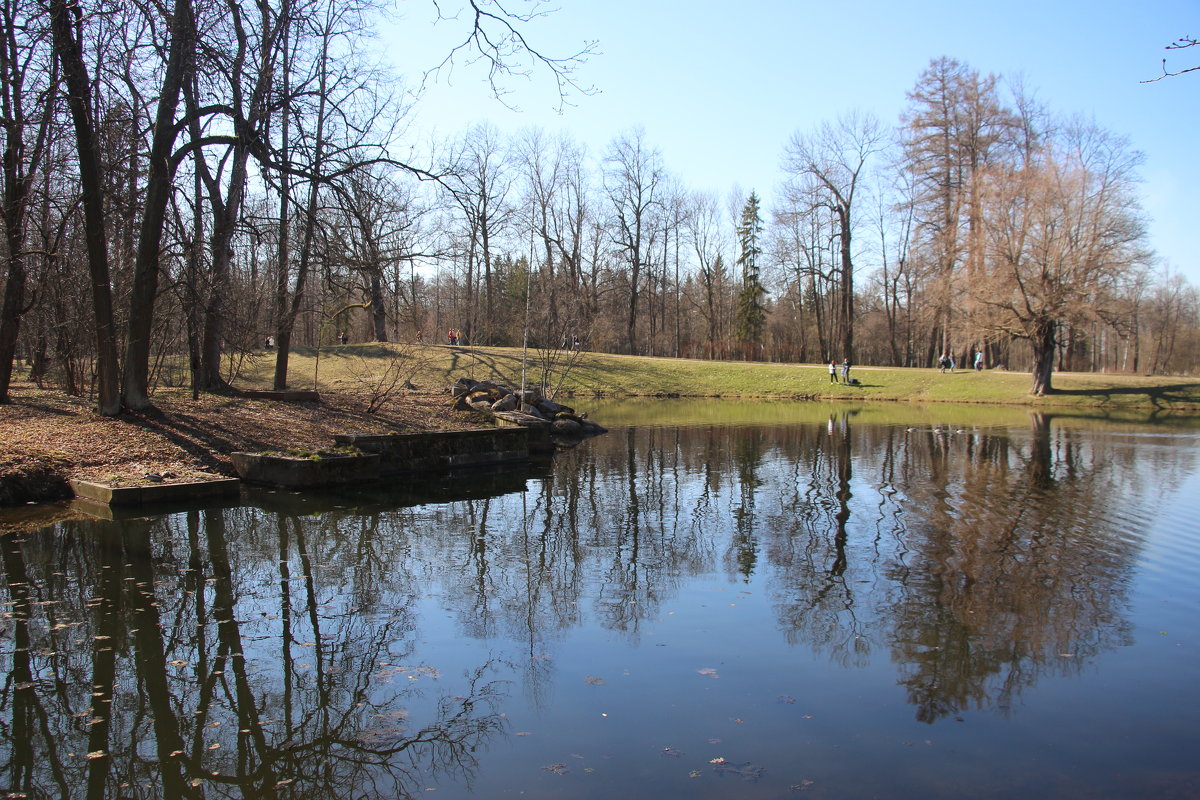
(529, 408)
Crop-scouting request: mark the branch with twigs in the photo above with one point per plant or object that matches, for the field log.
(495, 38)
(1182, 43)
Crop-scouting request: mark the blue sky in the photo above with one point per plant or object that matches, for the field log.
(719, 87)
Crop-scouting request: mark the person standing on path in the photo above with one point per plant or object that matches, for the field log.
(845, 370)
(832, 371)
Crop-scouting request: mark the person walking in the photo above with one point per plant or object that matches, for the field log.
(832, 371)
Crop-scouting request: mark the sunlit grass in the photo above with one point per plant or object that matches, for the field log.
(434, 367)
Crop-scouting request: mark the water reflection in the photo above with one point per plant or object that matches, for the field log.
(155, 659)
(278, 650)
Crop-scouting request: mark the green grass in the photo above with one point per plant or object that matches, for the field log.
(605, 375)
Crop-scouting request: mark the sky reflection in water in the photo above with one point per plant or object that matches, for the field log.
(841, 606)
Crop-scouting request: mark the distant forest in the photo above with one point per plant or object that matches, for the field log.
(186, 182)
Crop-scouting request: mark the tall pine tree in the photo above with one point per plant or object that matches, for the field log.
(751, 310)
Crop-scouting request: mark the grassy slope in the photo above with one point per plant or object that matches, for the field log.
(599, 374)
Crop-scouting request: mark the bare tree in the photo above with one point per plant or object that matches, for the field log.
(633, 172)
(479, 180)
(28, 84)
(707, 238)
(829, 163)
(1065, 233)
(951, 131)
(159, 184)
(374, 228)
(65, 20)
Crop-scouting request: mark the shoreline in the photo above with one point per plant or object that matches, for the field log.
(49, 439)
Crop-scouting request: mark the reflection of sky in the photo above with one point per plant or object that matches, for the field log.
(633, 647)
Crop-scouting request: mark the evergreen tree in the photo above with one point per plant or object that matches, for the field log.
(751, 311)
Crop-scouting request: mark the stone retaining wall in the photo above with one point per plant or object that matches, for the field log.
(419, 452)
(154, 492)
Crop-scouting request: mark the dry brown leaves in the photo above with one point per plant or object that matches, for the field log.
(182, 439)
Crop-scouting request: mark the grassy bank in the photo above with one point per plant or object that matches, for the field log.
(350, 367)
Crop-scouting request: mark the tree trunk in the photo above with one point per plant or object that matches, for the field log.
(286, 320)
(1043, 344)
(14, 290)
(847, 266)
(159, 185)
(221, 248)
(635, 275)
(63, 19)
(378, 307)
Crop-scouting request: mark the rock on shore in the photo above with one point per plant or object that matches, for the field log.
(530, 408)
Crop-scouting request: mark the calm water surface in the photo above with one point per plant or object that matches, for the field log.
(750, 601)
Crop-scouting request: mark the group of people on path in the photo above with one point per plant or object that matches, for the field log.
(833, 371)
(946, 362)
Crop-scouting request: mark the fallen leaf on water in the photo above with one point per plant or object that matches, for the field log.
(709, 671)
(694, 773)
(802, 786)
(96, 754)
(557, 769)
(787, 699)
(594, 681)
(717, 760)
(738, 720)
(672, 752)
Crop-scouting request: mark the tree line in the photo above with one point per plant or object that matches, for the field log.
(189, 184)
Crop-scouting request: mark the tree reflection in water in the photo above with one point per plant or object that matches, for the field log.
(154, 659)
(261, 651)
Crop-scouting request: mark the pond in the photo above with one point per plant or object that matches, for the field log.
(725, 600)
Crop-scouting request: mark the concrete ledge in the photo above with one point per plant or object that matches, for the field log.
(155, 492)
(419, 452)
(293, 472)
